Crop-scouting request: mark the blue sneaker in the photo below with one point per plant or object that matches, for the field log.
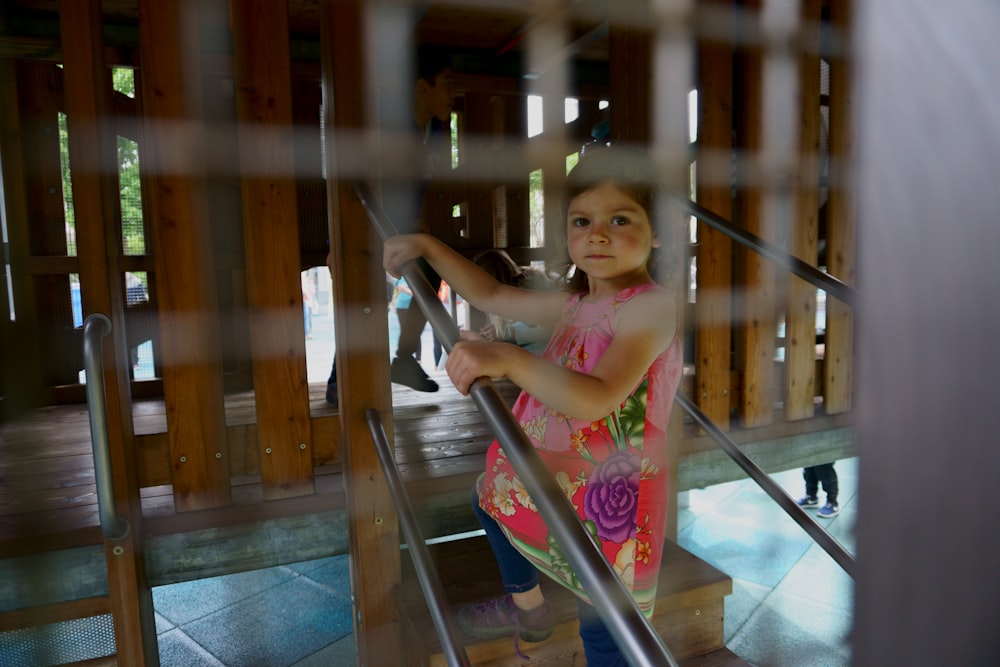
(807, 502)
(829, 510)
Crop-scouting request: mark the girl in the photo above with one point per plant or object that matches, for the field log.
(595, 404)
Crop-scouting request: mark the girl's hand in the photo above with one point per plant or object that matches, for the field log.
(400, 249)
(471, 359)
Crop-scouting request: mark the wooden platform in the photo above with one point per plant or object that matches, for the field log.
(689, 610)
(48, 497)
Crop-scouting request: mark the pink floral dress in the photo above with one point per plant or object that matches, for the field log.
(613, 471)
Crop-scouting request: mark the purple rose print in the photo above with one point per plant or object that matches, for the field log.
(611, 496)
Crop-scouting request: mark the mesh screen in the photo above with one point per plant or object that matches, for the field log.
(67, 187)
(58, 643)
(133, 231)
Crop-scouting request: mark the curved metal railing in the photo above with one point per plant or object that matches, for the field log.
(96, 327)
(638, 641)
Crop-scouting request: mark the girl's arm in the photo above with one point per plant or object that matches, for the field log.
(475, 285)
(638, 340)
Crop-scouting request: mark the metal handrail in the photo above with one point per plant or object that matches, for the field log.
(430, 582)
(635, 637)
(808, 523)
(824, 281)
(95, 327)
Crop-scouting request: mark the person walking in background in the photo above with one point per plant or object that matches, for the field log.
(814, 476)
(432, 100)
(595, 404)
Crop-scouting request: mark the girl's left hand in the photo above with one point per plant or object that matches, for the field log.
(398, 250)
(472, 359)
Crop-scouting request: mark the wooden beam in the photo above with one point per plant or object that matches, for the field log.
(271, 238)
(172, 154)
(93, 162)
(362, 337)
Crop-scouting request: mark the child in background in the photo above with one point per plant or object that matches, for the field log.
(595, 404)
(501, 266)
(814, 476)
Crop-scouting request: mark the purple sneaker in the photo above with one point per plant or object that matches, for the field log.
(499, 617)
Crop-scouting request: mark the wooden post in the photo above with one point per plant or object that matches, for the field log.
(841, 245)
(511, 115)
(479, 189)
(631, 85)
(22, 354)
(38, 229)
(93, 162)
(271, 238)
(362, 336)
(713, 318)
(800, 313)
(186, 285)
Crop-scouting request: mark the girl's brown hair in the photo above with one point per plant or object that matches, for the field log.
(629, 169)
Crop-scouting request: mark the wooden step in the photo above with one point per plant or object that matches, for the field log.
(689, 609)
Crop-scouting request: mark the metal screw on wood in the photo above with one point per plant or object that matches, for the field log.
(302, 445)
(183, 459)
(367, 310)
(378, 521)
(218, 455)
(267, 451)
(118, 551)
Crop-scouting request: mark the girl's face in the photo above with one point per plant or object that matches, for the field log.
(609, 236)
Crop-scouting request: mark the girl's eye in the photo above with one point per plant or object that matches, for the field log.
(619, 220)
(580, 222)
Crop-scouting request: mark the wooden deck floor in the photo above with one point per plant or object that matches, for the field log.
(48, 497)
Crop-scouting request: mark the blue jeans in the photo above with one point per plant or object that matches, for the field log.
(517, 572)
(520, 575)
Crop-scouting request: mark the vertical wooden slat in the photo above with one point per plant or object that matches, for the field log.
(756, 331)
(841, 246)
(362, 338)
(713, 308)
(271, 238)
(186, 289)
(93, 164)
(800, 314)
